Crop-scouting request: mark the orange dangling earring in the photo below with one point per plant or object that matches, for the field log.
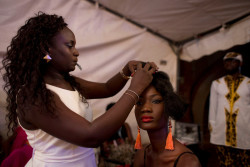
(138, 140)
(169, 141)
(47, 57)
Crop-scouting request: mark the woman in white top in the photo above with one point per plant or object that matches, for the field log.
(50, 104)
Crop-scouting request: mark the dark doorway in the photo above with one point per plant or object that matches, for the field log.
(195, 81)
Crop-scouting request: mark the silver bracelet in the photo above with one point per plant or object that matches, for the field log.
(131, 96)
(134, 93)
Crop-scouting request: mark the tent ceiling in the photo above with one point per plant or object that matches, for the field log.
(179, 21)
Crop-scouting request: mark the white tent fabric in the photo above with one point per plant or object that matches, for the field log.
(181, 20)
(105, 42)
(238, 34)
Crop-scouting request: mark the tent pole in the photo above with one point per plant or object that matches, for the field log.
(178, 51)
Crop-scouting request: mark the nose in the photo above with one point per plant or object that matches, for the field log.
(76, 53)
(146, 108)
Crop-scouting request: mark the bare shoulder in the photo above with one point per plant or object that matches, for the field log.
(186, 156)
(139, 158)
(188, 160)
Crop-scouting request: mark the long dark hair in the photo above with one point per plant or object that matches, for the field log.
(25, 67)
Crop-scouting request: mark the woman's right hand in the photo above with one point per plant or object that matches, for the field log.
(142, 77)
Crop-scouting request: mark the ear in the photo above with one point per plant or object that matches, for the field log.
(45, 50)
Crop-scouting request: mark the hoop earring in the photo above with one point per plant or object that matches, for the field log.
(138, 140)
(169, 141)
(47, 58)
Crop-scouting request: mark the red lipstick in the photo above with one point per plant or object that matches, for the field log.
(146, 118)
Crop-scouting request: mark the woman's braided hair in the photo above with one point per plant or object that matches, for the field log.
(25, 67)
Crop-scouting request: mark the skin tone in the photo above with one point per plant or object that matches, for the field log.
(150, 116)
(129, 133)
(232, 67)
(82, 132)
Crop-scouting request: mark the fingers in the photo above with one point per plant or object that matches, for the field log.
(137, 65)
(131, 69)
(132, 65)
(153, 70)
(151, 67)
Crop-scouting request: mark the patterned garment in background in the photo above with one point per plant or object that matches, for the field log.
(229, 112)
(229, 115)
(231, 157)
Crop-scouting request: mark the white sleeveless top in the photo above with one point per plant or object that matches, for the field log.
(49, 151)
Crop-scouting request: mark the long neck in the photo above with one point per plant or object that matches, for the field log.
(158, 139)
(57, 79)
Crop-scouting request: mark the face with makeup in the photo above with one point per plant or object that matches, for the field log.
(149, 110)
(63, 52)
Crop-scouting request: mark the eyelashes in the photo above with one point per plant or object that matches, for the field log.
(69, 46)
(156, 101)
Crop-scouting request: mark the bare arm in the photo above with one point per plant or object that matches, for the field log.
(73, 128)
(129, 133)
(93, 90)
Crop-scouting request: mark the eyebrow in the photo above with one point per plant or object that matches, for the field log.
(153, 95)
(73, 42)
(70, 41)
